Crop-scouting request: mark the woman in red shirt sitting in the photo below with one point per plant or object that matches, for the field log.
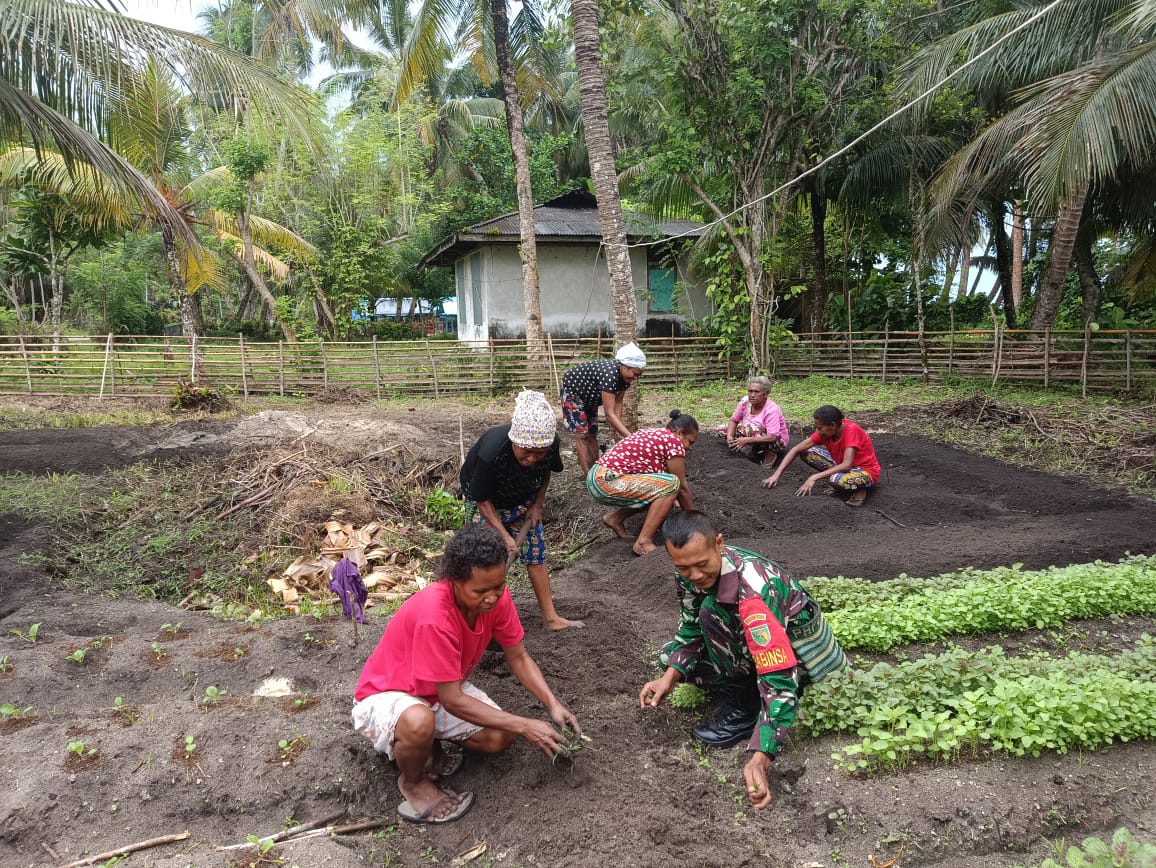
(840, 452)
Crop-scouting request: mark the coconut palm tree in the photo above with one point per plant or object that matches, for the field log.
(596, 126)
(483, 33)
(1080, 115)
(65, 64)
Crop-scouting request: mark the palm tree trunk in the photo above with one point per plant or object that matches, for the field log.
(528, 250)
(1089, 281)
(180, 291)
(592, 100)
(1003, 261)
(817, 306)
(1017, 274)
(1059, 258)
(248, 263)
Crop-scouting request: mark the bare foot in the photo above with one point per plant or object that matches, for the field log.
(616, 525)
(559, 623)
(643, 548)
(857, 498)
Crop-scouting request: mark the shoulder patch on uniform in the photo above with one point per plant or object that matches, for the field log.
(766, 639)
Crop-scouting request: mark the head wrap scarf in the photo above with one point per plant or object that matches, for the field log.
(631, 356)
(534, 424)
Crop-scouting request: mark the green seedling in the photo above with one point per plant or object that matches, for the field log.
(263, 845)
(688, 697)
(76, 656)
(572, 743)
(28, 635)
(81, 749)
(118, 704)
(5, 664)
(213, 695)
(302, 701)
(238, 653)
(13, 712)
(190, 745)
(158, 650)
(291, 746)
(171, 628)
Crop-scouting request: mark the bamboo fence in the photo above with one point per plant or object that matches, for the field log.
(1114, 360)
(125, 366)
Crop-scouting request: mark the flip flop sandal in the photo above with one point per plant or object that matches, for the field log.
(448, 761)
(857, 498)
(465, 801)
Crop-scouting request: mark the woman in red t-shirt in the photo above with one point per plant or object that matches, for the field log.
(415, 688)
(840, 452)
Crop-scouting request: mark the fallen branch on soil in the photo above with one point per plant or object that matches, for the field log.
(895, 522)
(351, 828)
(130, 848)
(286, 834)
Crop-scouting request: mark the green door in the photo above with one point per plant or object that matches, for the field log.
(661, 285)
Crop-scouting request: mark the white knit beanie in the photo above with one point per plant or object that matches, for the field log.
(534, 424)
(631, 356)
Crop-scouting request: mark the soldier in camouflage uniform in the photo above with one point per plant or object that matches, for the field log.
(749, 631)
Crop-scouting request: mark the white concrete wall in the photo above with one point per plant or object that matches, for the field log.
(575, 286)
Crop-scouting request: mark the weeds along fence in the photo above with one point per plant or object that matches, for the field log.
(112, 365)
(1112, 360)
(116, 365)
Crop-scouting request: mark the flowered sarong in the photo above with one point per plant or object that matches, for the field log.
(533, 550)
(629, 490)
(577, 416)
(819, 458)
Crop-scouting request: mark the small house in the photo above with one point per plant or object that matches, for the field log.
(572, 273)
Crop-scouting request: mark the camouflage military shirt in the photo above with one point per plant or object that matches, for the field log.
(750, 607)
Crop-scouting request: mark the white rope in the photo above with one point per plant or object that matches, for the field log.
(864, 135)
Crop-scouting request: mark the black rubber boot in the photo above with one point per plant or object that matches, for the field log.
(738, 712)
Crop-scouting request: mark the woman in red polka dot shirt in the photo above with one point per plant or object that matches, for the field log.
(645, 471)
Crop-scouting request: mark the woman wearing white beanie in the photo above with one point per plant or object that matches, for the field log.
(589, 385)
(504, 481)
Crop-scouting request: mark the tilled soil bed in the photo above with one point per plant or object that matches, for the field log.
(640, 794)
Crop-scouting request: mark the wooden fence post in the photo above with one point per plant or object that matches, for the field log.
(244, 376)
(996, 353)
(598, 349)
(886, 344)
(104, 370)
(324, 364)
(951, 341)
(27, 367)
(850, 353)
(1128, 360)
(674, 352)
(193, 359)
(1047, 357)
(377, 367)
(433, 364)
(811, 367)
(553, 363)
(281, 367)
(1084, 363)
(490, 341)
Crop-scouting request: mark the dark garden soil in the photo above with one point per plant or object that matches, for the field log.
(638, 795)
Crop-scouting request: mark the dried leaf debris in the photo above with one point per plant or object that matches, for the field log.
(390, 574)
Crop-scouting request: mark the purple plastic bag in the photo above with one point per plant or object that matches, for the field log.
(346, 582)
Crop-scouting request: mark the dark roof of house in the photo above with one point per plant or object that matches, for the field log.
(571, 218)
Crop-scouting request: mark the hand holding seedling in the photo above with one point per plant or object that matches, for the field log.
(653, 692)
(543, 735)
(755, 776)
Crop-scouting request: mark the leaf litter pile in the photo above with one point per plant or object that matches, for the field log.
(337, 504)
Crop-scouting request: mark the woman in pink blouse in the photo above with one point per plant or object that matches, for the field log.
(645, 471)
(758, 424)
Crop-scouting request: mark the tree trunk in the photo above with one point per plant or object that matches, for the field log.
(1003, 261)
(528, 250)
(1090, 285)
(1017, 271)
(964, 269)
(248, 263)
(592, 88)
(1059, 258)
(180, 288)
(56, 281)
(816, 306)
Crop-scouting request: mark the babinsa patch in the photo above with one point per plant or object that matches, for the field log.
(766, 638)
